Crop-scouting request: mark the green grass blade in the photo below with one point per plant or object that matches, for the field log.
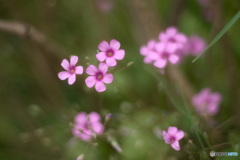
(223, 31)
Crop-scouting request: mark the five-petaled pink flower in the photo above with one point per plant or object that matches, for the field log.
(165, 52)
(206, 102)
(110, 52)
(98, 76)
(148, 51)
(71, 70)
(86, 126)
(172, 136)
(172, 35)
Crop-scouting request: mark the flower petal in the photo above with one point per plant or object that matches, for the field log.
(91, 70)
(171, 47)
(172, 131)
(111, 62)
(108, 78)
(63, 75)
(171, 31)
(101, 56)
(85, 137)
(103, 46)
(72, 79)
(166, 137)
(153, 55)
(144, 50)
(160, 63)
(94, 117)
(97, 127)
(179, 135)
(65, 64)
(81, 118)
(103, 67)
(151, 44)
(212, 109)
(175, 145)
(181, 38)
(162, 37)
(173, 58)
(100, 87)
(119, 55)
(160, 47)
(79, 70)
(205, 93)
(90, 81)
(73, 60)
(114, 44)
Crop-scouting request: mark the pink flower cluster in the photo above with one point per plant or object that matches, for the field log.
(97, 76)
(206, 102)
(171, 47)
(86, 126)
(172, 136)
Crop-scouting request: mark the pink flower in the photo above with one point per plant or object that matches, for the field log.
(165, 52)
(98, 76)
(173, 136)
(71, 70)
(80, 157)
(110, 52)
(148, 51)
(172, 35)
(204, 3)
(206, 102)
(195, 45)
(86, 126)
(105, 5)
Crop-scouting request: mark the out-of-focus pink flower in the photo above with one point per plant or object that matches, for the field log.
(172, 136)
(172, 35)
(110, 52)
(204, 3)
(206, 102)
(195, 45)
(86, 126)
(71, 70)
(105, 5)
(98, 77)
(147, 51)
(80, 157)
(165, 53)
(206, 9)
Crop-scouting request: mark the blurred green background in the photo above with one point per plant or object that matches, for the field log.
(37, 109)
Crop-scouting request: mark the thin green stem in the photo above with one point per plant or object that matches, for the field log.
(220, 34)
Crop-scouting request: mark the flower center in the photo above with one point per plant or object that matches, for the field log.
(85, 126)
(171, 140)
(165, 55)
(172, 39)
(72, 69)
(110, 53)
(99, 76)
